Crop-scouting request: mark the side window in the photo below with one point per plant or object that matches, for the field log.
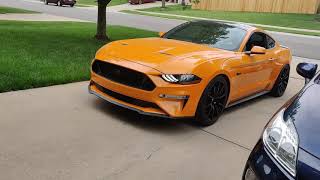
(256, 39)
(270, 43)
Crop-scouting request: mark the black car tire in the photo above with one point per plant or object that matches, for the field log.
(213, 101)
(71, 5)
(281, 83)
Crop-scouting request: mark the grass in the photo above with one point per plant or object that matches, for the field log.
(37, 54)
(265, 28)
(82, 5)
(94, 2)
(5, 10)
(305, 21)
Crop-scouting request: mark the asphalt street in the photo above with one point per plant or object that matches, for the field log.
(301, 46)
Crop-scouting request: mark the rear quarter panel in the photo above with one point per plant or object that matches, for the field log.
(283, 57)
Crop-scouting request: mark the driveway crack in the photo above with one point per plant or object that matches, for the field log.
(154, 151)
(224, 139)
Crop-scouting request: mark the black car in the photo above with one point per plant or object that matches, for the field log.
(290, 146)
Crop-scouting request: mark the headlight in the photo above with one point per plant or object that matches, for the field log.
(281, 139)
(181, 78)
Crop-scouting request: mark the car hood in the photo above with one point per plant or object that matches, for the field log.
(304, 111)
(164, 55)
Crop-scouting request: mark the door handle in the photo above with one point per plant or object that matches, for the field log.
(272, 59)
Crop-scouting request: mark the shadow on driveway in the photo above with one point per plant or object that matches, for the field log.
(159, 124)
(147, 123)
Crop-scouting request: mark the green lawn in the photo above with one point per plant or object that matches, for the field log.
(36, 54)
(94, 2)
(286, 20)
(4, 10)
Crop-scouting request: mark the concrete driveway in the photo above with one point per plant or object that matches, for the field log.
(62, 132)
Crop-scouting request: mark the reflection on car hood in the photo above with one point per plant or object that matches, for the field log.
(304, 113)
(165, 55)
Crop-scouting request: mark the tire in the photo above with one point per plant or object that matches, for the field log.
(59, 3)
(281, 83)
(46, 2)
(71, 5)
(213, 101)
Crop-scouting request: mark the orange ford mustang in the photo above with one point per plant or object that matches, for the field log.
(194, 70)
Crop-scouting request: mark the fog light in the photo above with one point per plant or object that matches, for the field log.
(167, 96)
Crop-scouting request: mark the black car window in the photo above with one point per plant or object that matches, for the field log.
(256, 39)
(270, 42)
(213, 34)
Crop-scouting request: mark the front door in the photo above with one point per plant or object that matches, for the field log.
(254, 71)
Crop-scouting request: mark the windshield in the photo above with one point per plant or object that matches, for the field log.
(213, 34)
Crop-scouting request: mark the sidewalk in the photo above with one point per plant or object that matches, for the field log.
(219, 20)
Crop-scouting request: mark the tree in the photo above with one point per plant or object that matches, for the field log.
(163, 4)
(102, 20)
(183, 2)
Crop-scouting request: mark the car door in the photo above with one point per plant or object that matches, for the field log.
(253, 73)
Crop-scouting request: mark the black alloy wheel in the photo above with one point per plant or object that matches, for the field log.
(213, 101)
(281, 83)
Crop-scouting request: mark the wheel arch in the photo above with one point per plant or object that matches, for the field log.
(199, 112)
(224, 75)
(276, 74)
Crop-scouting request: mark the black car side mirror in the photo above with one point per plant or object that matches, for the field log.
(307, 70)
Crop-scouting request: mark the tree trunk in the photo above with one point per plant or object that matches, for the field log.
(102, 22)
(163, 4)
(183, 2)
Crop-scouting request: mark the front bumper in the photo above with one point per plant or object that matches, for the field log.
(93, 89)
(170, 100)
(261, 165)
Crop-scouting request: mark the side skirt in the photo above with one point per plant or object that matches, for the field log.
(248, 98)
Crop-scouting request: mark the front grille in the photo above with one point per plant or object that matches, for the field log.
(123, 75)
(126, 99)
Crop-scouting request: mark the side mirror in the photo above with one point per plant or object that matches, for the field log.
(307, 70)
(161, 34)
(256, 50)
